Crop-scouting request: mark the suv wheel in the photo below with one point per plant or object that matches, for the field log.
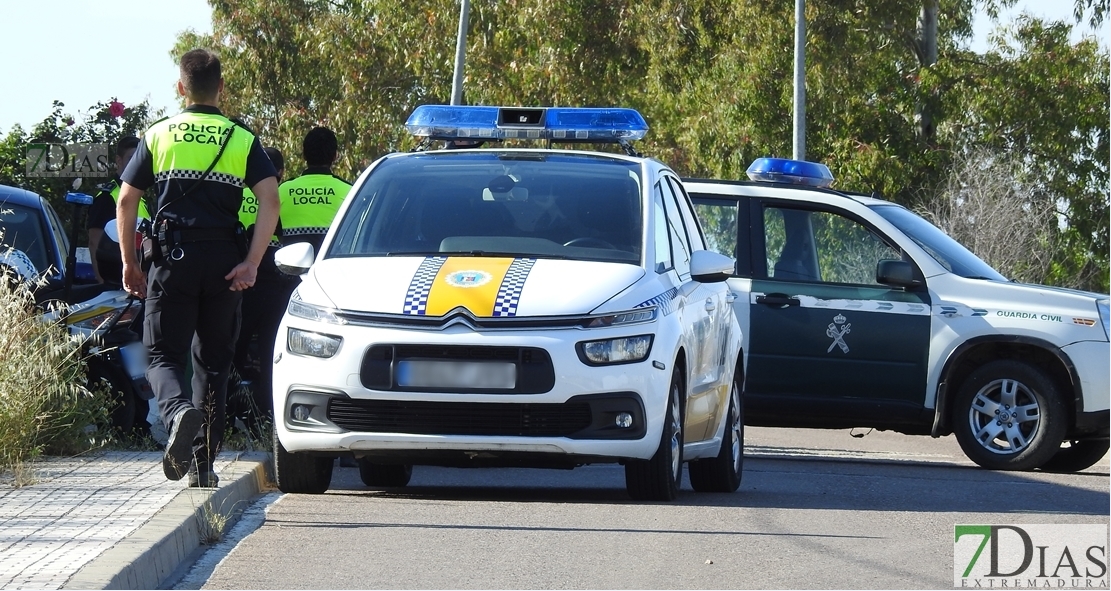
(384, 475)
(1009, 416)
(723, 473)
(658, 479)
(301, 472)
(1077, 456)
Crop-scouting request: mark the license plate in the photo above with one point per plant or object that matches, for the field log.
(457, 374)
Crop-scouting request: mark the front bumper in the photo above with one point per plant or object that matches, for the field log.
(576, 420)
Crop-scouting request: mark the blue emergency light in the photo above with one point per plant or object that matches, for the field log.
(796, 172)
(568, 124)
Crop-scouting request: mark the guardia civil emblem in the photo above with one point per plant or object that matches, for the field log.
(837, 331)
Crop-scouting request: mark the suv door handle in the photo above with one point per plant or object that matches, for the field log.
(778, 300)
(710, 305)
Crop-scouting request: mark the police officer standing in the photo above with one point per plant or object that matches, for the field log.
(263, 307)
(310, 201)
(105, 254)
(199, 162)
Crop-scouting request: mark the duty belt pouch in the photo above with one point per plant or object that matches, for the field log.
(242, 241)
(150, 249)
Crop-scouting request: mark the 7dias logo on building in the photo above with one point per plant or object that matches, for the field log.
(1030, 556)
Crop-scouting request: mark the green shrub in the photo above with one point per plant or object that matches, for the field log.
(45, 407)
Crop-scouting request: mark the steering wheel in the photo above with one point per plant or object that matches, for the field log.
(590, 242)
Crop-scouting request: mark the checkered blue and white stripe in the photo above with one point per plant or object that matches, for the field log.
(218, 177)
(664, 301)
(416, 298)
(509, 293)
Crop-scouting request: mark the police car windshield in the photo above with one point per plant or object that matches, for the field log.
(496, 203)
(948, 252)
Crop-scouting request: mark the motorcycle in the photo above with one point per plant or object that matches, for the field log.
(109, 325)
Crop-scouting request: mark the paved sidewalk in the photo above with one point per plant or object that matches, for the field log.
(112, 520)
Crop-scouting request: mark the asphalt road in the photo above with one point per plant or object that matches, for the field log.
(816, 509)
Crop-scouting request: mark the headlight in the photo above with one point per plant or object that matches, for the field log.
(303, 342)
(310, 312)
(615, 351)
(1104, 307)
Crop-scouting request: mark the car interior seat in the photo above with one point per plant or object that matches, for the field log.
(792, 264)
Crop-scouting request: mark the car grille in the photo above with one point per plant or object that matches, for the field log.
(460, 418)
(535, 373)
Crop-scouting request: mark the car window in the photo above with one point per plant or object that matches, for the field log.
(948, 252)
(694, 232)
(719, 222)
(511, 203)
(680, 247)
(60, 238)
(22, 230)
(805, 245)
(661, 240)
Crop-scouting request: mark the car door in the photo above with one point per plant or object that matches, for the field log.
(829, 346)
(700, 308)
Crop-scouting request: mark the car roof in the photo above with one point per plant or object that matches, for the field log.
(20, 197)
(784, 190)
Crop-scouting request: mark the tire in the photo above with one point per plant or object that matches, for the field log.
(384, 475)
(1035, 421)
(723, 473)
(658, 479)
(1077, 456)
(301, 472)
(125, 406)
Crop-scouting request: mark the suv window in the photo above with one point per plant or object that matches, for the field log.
(719, 222)
(805, 245)
(512, 203)
(694, 233)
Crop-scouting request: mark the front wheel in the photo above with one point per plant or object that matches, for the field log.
(723, 473)
(301, 472)
(658, 479)
(1009, 416)
(1077, 455)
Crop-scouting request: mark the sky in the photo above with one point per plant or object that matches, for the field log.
(120, 49)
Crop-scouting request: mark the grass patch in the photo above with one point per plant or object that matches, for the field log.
(45, 408)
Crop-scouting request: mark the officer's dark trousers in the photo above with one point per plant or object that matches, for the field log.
(263, 307)
(189, 306)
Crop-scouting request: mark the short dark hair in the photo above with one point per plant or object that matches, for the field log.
(126, 143)
(200, 74)
(276, 158)
(319, 147)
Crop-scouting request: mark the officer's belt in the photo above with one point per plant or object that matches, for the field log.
(183, 235)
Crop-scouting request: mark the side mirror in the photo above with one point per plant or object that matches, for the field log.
(898, 274)
(708, 266)
(295, 259)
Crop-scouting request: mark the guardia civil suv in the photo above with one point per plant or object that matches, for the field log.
(496, 306)
(858, 313)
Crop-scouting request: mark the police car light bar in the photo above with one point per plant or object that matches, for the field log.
(444, 122)
(796, 172)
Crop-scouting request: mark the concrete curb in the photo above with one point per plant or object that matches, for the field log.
(155, 551)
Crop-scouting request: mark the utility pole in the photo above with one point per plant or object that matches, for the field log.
(460, 53)
(800, 81)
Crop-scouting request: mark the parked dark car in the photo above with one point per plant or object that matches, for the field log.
(34, 243)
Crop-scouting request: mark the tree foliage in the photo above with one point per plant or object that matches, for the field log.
(713, 77)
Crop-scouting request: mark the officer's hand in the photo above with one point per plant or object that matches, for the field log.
(242, 276)
(134, 280)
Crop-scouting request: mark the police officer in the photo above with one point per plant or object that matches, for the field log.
(263, 307)
(310, 201)
(105, 254)
(199, 162)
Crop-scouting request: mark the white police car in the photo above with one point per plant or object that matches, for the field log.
(512, 307)
(858, 313)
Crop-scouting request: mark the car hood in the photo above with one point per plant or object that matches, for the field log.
(485, 286)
